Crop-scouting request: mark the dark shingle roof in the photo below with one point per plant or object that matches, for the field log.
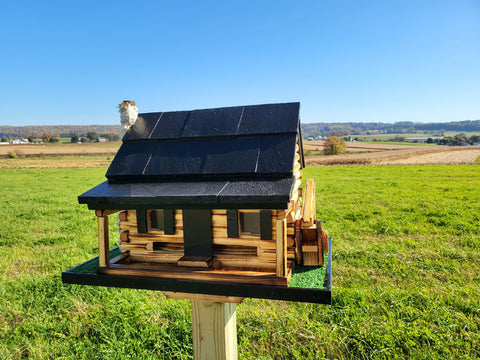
(227, 121)
(226, 157)
(247, 141)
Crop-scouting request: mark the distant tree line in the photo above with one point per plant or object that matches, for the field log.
(401, 127)
(92, 136)
(467, 125)
(63, 131)
(456, 140)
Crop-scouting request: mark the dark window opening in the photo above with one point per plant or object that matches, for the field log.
(249, 223)
(157, 220)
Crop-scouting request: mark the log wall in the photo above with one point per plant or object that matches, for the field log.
(244, 251)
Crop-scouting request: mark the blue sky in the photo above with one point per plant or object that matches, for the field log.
(72, 62)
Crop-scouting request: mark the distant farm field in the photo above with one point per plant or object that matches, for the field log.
(358, 153)
(361, 153)
(406, 276)
(57, 161)
(60, 149)
(90, 155)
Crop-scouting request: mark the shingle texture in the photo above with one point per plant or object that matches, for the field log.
(212, 156)
(247, 141)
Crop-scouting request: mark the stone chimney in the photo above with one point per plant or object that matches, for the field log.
(128, 114)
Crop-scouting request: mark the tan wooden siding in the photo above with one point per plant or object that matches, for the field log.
(246, 251)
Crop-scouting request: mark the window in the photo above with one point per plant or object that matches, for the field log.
(157, 220)
(251, 223)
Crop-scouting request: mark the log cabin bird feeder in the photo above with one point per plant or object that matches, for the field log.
(209, 202)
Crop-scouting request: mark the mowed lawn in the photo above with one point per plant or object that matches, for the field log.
(406, 274)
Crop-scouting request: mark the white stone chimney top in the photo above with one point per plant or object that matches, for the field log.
(128, 114)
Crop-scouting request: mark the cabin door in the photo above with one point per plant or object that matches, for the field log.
(197, 233)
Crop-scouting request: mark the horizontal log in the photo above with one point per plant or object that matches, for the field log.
(123, 215)
(178, 237)
(290, 241)
(132, 215)
(282, 214)
(102, 213)
(271, 254)
(134, 237)
(124, 236)
(178, 213)
(309, 248)
(246, 277)
(128, 246)
(218, 232)
(265, 260)
(124, 226)
(298, 174)
(217, 220)
(227, 260)
(291, 217)
(246, 263)
(152, 257)
(137, 241)
(228, 246)
(164, 247)
(244, 241)
(296, 167)
(296, 186)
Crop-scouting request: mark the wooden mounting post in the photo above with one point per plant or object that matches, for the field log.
(214, 330)
(103, 239)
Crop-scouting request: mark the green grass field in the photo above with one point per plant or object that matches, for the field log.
(406, 274)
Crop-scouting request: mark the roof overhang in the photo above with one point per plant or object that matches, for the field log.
(234, 194)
